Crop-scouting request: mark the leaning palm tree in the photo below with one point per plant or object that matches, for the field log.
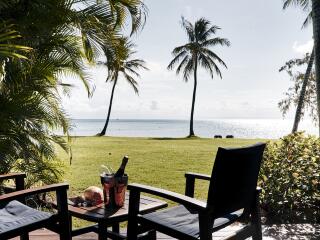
(302, 96)
(301, 99)
(119, 62)
(196, 53)
(313, 8)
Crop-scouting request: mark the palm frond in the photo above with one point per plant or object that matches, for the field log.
(187, 70)
(305, 4)
(209, 32)
(183, 63)
(188, 27)
(216, 41)
(135, 9)
(7, 48)
(206, 64)
(177, 58)
(307, 21)
(133, 83)
(214, 56)
(213, 65)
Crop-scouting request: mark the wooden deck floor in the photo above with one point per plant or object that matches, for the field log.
(274, 232)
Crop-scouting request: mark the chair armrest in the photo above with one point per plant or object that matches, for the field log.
(18, 178)
(12, 176)
(190, 181)
(60, 187)
(197, 176)
(176, 197)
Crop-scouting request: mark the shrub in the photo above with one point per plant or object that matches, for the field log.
(39, 173)
(290, 179)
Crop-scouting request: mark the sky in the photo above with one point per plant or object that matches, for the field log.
(263, 37)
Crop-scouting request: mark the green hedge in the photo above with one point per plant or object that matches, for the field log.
(290, 179)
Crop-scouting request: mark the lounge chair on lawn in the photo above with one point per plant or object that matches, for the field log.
(17, 219)
(232, 196)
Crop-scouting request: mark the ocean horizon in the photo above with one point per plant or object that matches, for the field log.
(239, 128)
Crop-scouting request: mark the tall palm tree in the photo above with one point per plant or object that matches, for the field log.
(120, 63)
(196, 53)
(312, 6)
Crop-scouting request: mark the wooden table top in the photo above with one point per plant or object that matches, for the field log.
(100, 213)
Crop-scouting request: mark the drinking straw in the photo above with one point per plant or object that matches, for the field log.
(103, 166)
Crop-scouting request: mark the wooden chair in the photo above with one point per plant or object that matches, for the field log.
(232, 196)
(17, 219)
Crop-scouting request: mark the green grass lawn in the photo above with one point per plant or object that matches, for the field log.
(157, 162)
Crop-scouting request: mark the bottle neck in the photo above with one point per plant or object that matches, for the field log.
(124, 163)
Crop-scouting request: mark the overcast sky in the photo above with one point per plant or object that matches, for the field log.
(263, 38)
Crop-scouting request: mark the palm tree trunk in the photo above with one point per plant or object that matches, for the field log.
(300, 104)
(103, 132)
(316, 35)
(193, 97)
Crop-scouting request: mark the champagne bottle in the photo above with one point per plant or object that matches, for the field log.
(120, 171)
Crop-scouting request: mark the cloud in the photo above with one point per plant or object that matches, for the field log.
(303, 48)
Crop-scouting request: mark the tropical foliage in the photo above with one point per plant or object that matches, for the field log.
(305, 5)
(62, 38)
(293, 95)
(7, 34)
(290, 179)
(120, 63)
(196, 53)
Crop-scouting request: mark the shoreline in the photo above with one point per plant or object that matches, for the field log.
(167, 138)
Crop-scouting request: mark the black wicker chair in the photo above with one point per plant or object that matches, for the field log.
(17, 219)
(232, 196)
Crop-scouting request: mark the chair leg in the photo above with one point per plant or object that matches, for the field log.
(24, 236)
(152, 235)
(205, 226)
(116, 228)
(65, 235)
(64, 221)
(102, 230)
(134, 202)
(256, 220)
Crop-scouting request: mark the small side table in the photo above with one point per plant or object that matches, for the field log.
(109, 217)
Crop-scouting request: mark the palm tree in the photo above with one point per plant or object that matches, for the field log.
(197, 53)
(312, 6)
(293, 94)
(302, 95)
(301, 100)
(119, 62)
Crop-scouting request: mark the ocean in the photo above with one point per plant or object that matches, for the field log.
(239, 128)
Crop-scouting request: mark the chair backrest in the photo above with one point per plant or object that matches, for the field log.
(234, 178)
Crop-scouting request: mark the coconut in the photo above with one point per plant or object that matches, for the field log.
(93, 194)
